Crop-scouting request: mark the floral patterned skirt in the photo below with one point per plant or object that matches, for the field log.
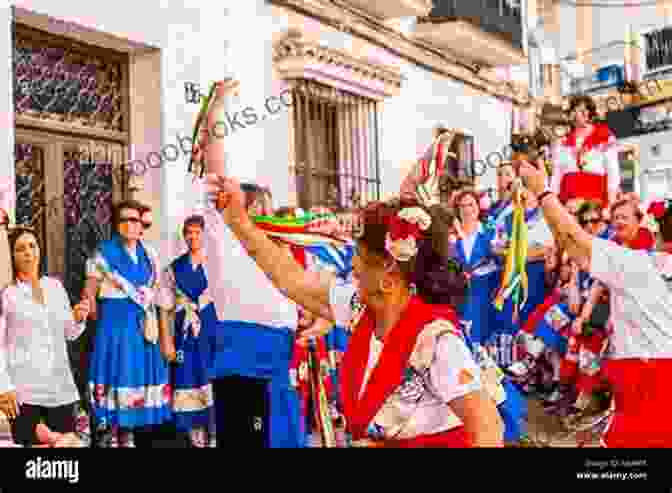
(128, 377)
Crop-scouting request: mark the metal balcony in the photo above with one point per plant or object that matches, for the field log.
(487, 32)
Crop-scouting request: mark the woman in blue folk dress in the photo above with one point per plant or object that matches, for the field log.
(128, 380)
(184, 291)
(473, 250)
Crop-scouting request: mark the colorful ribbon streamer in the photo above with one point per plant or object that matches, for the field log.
(514, 283)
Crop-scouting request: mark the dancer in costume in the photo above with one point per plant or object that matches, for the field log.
(441, 400)
(588, 346)
(473, 250)
(184, 293)
(252, 345)
(128, 377)
(36, 319)
(639, 365)
(585, 162)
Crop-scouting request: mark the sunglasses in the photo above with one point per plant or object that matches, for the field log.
(136, 221)
(130, 220)
(593, 221)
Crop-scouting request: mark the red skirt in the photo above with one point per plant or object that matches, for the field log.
(643, 399)
(587, 186)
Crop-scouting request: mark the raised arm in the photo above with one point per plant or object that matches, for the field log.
(568, 234)
(308, 289)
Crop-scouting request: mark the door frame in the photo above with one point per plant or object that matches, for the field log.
(54, 146)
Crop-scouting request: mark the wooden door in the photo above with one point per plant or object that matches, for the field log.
(65, 188)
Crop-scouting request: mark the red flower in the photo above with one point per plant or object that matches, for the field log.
(399, 228)
(657, 209)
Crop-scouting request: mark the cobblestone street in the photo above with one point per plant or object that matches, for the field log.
(543, 429)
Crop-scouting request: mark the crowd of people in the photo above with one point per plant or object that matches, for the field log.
(393, 338)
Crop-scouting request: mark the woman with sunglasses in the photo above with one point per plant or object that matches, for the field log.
(128, 378)
(408, 378)
(585, 162)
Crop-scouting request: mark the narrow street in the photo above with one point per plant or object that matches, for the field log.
(543, 429)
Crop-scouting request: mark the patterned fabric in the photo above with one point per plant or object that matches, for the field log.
(184, 288)
(588, 172)
(315, 366)
(426, 352)
(128, 377)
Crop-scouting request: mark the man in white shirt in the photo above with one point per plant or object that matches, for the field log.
(256, 404)
(640, 361)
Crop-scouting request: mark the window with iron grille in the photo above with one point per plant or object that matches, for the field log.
(335, 147)
(657, 49)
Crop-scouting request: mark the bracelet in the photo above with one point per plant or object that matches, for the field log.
(543, 196)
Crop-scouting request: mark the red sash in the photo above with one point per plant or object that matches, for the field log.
(582, 185)
(601, 135)
(388, 373)
(643, 241)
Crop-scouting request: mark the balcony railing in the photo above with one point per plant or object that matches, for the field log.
(499, 17)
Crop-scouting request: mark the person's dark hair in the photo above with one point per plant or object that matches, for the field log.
(434, 272)
(587, 101)
(665, 226)
(588, 206)
(285, 211)
(125, 205)
(253, 192)
(13, 236)
(194, 220)
(459, 197)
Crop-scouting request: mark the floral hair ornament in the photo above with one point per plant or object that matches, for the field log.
(656, 212)
(405, 230)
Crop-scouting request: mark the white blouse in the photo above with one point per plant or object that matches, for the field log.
(451, 373)
(33, 354)
(239, 288)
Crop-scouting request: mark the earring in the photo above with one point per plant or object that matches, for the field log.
(414, 289)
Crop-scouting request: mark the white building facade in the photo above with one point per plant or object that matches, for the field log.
(155, 50)
(600, 46)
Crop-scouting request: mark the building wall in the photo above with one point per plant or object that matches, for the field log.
(173, 27)
(606, 25)
(204, 41)
(612, 26)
